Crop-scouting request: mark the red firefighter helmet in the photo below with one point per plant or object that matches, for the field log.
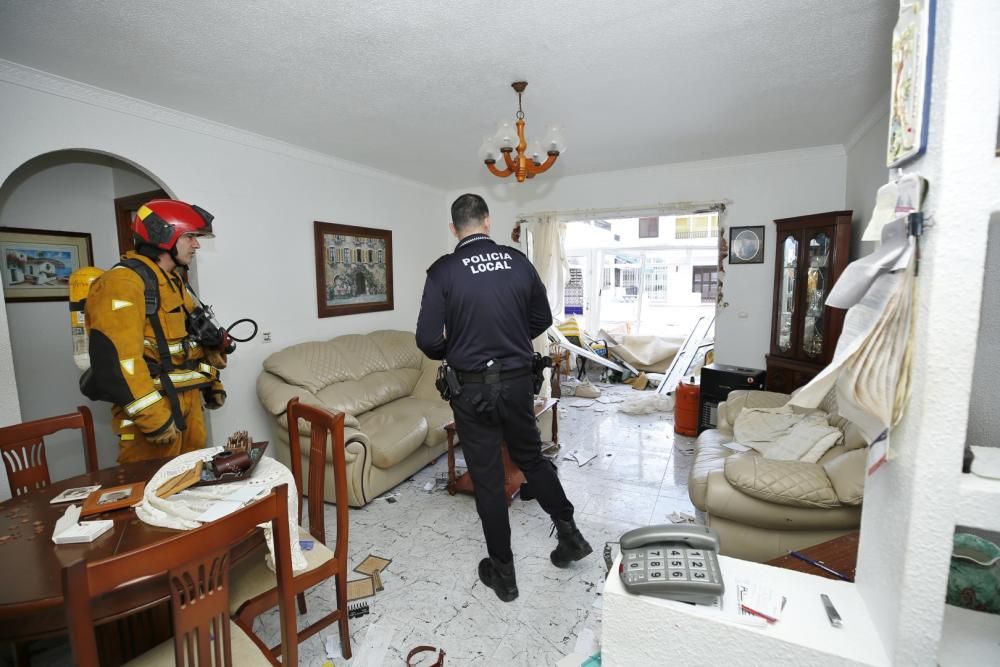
(161, 222)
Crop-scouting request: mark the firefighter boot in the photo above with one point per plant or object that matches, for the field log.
(571, 545)
(500, 577)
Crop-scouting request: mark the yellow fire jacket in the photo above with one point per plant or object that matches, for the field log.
(124, 356)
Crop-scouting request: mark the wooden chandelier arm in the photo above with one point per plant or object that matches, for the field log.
(496, 172)
(551, 160)
(511, 164)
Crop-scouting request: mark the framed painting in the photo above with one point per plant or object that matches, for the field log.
(746, 245)
(909, 92)
(353, 269)
(36, 263)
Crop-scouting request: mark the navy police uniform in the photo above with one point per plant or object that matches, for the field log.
(482, 306)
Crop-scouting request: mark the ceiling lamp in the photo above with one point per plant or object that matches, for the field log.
(528, 161)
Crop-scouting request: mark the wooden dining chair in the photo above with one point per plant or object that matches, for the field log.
(23, 449)
(196, 565)
(254, 583)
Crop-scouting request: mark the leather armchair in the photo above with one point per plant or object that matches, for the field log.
(761, 507)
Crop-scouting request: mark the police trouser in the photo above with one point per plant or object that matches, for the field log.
(132, 443)
(480, 432)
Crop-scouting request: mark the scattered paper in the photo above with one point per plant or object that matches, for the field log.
(373, 647)
(586, 643)
(680, 517)
(582, 457)
(234, 501)
(75, 494)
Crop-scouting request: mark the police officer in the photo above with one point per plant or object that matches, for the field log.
(482, 306)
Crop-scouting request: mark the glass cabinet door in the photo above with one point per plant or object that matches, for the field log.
(786, 310)
(817, 280)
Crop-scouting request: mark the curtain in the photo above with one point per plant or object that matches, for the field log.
(542, 240)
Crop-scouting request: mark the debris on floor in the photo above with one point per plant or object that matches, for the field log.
(581, 456)
(680, 517)
(647, 404)
(587, 390)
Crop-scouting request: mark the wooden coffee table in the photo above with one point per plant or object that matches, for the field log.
(840, 554)
(513, 478)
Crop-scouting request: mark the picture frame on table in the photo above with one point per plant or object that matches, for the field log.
(113, 498)
(353, 269)
(35, 264)
(746, 245)
(910, 82)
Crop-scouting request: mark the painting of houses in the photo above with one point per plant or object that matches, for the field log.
(354, 269)
(35, 265)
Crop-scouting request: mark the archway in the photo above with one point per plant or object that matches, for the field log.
(71, 192)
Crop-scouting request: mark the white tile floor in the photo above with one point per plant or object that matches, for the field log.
(432, 594)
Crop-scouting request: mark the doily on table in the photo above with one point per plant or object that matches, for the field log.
(180, 511)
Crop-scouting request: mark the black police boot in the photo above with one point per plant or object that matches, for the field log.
(571, 545)
(500, 577)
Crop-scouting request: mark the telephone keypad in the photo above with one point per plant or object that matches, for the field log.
(679, 564)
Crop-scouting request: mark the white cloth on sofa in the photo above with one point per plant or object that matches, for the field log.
(785, 435)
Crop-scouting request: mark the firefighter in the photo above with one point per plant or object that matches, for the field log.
(147, 354)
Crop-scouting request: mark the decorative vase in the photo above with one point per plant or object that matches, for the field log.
(974, 574)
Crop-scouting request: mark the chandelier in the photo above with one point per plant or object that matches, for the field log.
(528, 161)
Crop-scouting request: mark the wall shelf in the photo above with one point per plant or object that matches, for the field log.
(978, 501)
(968, 638)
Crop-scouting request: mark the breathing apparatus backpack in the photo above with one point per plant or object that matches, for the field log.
(79, 288)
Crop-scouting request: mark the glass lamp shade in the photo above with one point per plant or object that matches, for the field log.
(506, 136)
(554, 140)
(536, 153)
(489, 150)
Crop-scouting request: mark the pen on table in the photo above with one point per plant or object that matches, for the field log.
(820, 564)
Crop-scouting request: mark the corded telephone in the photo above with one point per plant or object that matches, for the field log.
(678, 562)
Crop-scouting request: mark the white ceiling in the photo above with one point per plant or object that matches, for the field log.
(413, 86)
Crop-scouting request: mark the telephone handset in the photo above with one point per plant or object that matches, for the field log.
(678, 562)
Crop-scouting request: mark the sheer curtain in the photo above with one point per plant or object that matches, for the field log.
(542, 240)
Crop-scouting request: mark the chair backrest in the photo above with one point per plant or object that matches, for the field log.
(323, 425)
(196, 564)
(23, 449)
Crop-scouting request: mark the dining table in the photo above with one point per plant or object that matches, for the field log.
(31, 599)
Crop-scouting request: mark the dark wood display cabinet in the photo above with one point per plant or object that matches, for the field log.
(811, 253)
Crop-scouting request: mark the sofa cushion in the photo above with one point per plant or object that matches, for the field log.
(783, 482)
(317, 364)
(394, 430)
(438, 413)
(356, 397)
(847, 474)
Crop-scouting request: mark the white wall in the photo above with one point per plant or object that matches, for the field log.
(984, 418)
(911, 503)
(66, 191)
(866, 171)
(265, 196)
(761, 188)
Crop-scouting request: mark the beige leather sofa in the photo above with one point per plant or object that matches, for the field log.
(762, 508)
(384, 384)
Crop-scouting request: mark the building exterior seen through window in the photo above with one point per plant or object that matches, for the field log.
(651, 275)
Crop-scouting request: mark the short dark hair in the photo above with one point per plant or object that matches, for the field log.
(469, 210)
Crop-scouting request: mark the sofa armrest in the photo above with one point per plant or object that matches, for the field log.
(724, 501)
(730, 409)
(424, 388)
(783, 482)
